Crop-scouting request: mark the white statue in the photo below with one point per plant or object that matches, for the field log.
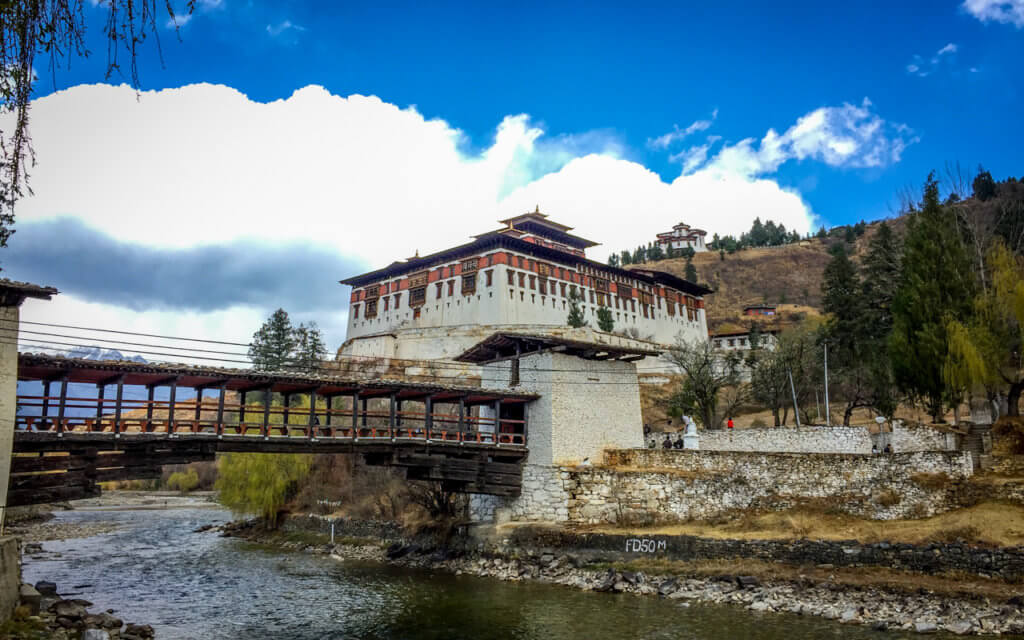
(690, 438)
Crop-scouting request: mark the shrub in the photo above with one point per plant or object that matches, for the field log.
(965, 533)
(260, 483)
(931, 480)
(183, 481)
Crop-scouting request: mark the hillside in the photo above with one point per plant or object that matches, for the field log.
(789, 275)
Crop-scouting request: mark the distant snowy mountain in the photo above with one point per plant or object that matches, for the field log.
(98, 353)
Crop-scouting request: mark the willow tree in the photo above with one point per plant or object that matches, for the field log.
(985, 351)
(56, 30)
(260, 484)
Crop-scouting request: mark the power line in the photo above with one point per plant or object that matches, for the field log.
(134, 333)
(438, 363)
(341, 374)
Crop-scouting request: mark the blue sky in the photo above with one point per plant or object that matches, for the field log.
(361, 133)
(632, 71)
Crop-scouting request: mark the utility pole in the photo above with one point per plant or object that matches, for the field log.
(828, 412)
(792, 388)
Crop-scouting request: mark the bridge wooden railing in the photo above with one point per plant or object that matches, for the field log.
(274, 421)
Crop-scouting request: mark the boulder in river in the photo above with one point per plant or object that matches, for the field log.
(46, 588)
(68, 609)
(95, 634)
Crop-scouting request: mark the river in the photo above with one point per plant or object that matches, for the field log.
(154, 570)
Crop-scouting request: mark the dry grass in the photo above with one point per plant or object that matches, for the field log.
(931, 480)
(950, 584)
(888, 498)
(988, 524)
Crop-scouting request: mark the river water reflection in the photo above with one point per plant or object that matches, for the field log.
(155, 570)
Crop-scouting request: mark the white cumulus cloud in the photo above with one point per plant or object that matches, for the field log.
(1003, 11)
(677, 134)
(203, 165)
(848, 136)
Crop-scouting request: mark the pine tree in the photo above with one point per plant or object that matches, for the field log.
(625, 258)
(613, 260)
(575, 318)
(841, 299)
(605, 322)
(881, 280)
(691, 271)
(273, 343)
(984, 186)
(310, 351)
(936, 286)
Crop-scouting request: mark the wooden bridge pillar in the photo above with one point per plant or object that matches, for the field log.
(117, 405)
(150, 388)
(62, 404)
(220, 408)
(312, 414)
(428, 420)
(266, 411)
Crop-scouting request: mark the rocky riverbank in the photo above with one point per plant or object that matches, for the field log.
(922, 611)
(45, 614)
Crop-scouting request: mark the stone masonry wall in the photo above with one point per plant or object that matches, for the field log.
(544, 499)
(685, 485)
(651, 486)
(818, 439)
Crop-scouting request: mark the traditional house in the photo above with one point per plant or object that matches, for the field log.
(760, 310)
(681, 237)
(518, 277)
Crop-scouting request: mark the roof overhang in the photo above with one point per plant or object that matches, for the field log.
(13, 293)
(508, 345)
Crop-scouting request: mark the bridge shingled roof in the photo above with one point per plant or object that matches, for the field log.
(33, 366)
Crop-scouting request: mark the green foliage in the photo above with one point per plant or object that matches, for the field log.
(984, 349)
(183, 481)
(277, 345)
(984, 186)
(260, 483)
(625, 258)
(613, 260)
(575, 318)
(936, 287)
(309, 351)
(822, 233)
(655, 252)
(605, 321)
(691, 271)
(273, 343)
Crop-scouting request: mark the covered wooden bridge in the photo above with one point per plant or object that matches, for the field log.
(470, 439)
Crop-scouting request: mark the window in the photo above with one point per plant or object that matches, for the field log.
(469, 283)
(591, 297)
(511, 277)
(522, 279)
(371, 309)
(418, 280)
(372, 292)
(718, 344)
(355, 311)
(438, 292)
(470, 265)
(417, 297)
(543, 287)
(490, 276)
(398, 300)
(533, 282)
(563, 289)
(451, 287)
(731, 342)
(386, 301)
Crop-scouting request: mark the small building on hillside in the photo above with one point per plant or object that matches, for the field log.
(682, 236)
(742, 340)
(760, 310)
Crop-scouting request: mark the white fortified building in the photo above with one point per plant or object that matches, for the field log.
(519, 277)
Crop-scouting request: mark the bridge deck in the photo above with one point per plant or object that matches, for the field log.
(65, 445)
